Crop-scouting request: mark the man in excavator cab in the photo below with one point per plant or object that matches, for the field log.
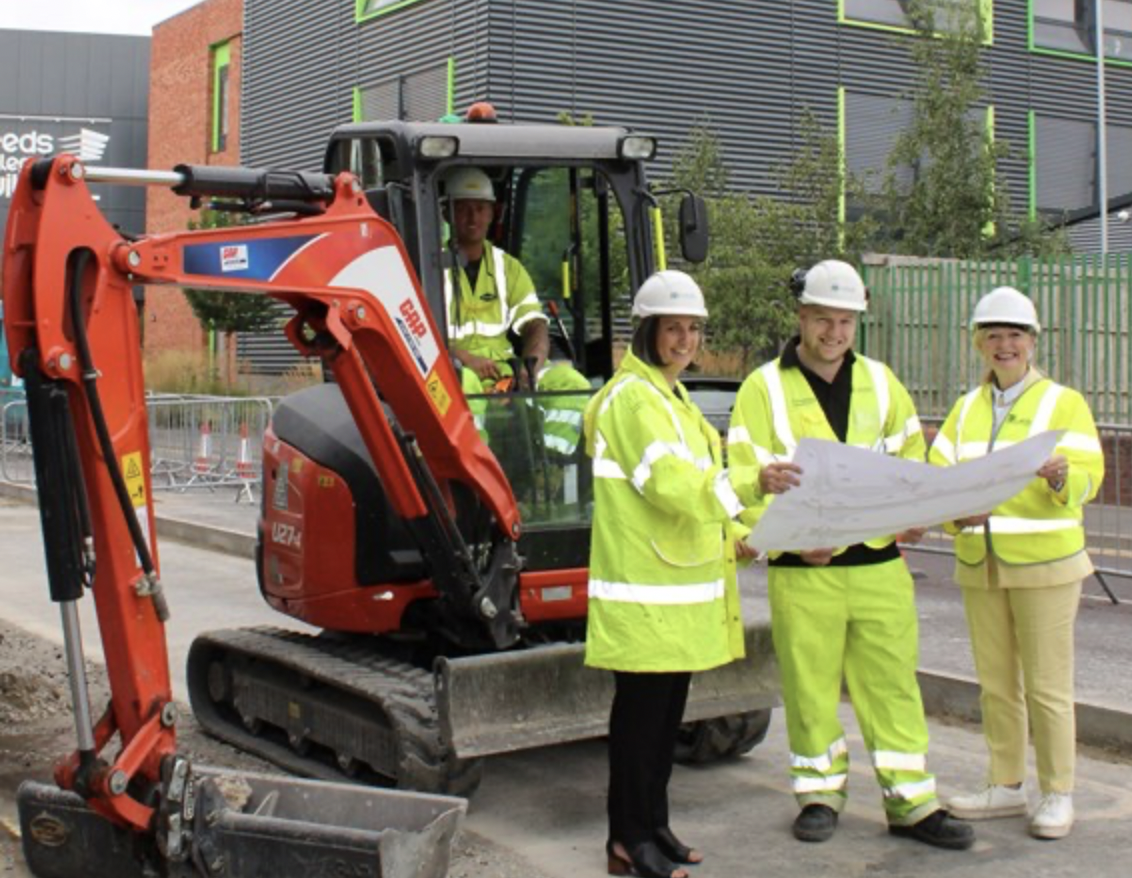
(497, 300)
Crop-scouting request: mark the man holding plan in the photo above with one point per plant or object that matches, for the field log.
(841, 612)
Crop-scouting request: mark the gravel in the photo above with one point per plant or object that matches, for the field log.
(36, 728)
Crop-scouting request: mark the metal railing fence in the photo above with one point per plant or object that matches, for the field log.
(920, 309)
(195, 441)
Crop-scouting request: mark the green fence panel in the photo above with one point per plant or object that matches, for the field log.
(920, 309)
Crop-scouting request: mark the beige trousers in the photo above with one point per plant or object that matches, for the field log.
(1023, 644)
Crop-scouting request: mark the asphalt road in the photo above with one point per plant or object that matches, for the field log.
(545, 808)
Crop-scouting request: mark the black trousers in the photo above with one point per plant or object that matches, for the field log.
(646, 715)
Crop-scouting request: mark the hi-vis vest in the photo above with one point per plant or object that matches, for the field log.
(662, 587)
(504, 298)
(1036, 526)
(776, 407)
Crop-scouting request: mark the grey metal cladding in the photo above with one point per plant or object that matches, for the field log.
(76, 92)
(293, 91)
(749, 69)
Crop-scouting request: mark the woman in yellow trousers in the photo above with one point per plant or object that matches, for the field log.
(1021, 566)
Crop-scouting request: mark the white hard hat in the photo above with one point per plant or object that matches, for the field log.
(469, 183)
(669, 292)
(1007, 306)
(834, 284)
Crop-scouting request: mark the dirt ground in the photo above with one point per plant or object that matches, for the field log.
(36, 728)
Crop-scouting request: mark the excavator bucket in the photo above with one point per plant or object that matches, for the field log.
(248, 826)
(509, 701)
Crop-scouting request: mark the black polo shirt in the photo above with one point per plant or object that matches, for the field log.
(834, 397)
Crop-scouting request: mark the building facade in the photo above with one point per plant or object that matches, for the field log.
(748, 70)
(194, 101)
(79, 93)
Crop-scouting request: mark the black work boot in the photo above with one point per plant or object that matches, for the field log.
(815, 823)
(939, 829)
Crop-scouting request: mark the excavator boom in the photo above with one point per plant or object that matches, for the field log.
(125, 799)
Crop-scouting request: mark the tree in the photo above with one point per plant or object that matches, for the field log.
(757, 243)
(943, 192)
(229, 312)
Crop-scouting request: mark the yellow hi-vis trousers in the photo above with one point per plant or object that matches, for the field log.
(857, 623)
(1022, 639)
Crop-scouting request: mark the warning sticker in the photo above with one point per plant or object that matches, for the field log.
(135, 477)
(437, 393)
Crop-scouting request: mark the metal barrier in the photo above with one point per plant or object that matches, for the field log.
(207, 442)
(195, 442)
(1108, 519)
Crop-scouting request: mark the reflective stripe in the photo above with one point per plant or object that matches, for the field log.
(1084, 498)
(1045, 409)
(894, 444)
(909, 791)
(896, 761)
(1080, 442)
(656, 595)
(1004, 525)
(655, 452)
(968, 401)
(945, 448)
(739, 436)
(726, 495)
(605, 468)
(573, 417)
(559, 444)
(476, 327)
(764, 455)
(782, 428)
(823, 762)
(973, 450)
(807, 783)
(614, 391)
(880, 388)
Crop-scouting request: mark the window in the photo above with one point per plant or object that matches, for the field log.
(872, 124)
(1065, 163)
(370, 8)
(419, 97)
(221, 56)
(898, 13)
(1071, 26)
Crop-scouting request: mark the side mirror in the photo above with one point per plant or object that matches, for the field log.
(693, 228)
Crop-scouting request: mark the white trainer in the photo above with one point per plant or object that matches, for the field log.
(1053, 817)
(993, 800)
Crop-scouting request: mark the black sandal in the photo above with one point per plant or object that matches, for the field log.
(644, 860)
(675, 849)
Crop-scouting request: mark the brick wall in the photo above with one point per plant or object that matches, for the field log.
(180, 132)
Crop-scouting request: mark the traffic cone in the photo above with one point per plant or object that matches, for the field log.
(245, 466)
(202, 463)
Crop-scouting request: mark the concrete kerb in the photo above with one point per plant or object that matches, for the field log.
(944, 695)
(204, 536)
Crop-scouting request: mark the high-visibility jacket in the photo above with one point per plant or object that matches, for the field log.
(1037, 526)
(663, 594)
(775, 408)
(504, 299)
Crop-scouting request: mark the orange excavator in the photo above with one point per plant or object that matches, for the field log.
(447, 573)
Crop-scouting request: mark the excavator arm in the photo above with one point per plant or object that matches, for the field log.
(72, 329)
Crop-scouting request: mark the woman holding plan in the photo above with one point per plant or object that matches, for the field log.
(1021, 566)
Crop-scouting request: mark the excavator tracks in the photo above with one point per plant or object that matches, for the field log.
(325, 706)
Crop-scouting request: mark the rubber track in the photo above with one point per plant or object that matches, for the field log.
(403, 697)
